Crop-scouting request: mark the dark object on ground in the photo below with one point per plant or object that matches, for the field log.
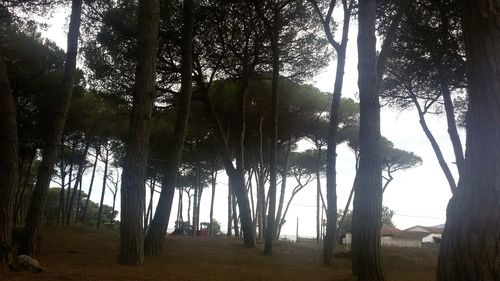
(24, 262)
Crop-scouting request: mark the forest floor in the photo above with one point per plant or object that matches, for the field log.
(89, 254)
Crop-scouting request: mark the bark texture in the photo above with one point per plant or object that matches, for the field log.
(368, 195)
(53, 137)
(133, 176)
(8, 164)
(471, 238)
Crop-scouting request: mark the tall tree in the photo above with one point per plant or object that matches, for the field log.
(331, 154)
(8, 164)
(368, 194)
(274, 26)
(156, 233)
(53, 138)
(134, 168)
(469, 250)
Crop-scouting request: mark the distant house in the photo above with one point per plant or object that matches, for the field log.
(434, 233)
(412, 237)
(403, 239)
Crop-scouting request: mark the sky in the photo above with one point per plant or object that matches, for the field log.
(418, 196)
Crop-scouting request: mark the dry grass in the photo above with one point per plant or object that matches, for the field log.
(89, 254)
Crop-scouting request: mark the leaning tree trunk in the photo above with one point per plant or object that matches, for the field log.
(53, 138)
(103, 191)
(78, 181)
(156, 233)
(70, 178)
(8, 164)
(471, 241)
(134, 168)
(84, 216)
(236, 176)
(435, 146)
(284, 174)
(238, 185)
(366, 220)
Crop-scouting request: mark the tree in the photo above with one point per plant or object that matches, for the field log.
(368, 194)
(303, 165)
(53, 138)
(8, 164)
(331, 154)
(469, 250)
(394, 159)
(156, 233)
(133, 176)
(427, 70)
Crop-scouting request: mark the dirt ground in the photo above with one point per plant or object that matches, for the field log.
(88, 254)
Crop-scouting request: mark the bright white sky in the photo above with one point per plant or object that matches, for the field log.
(418, 196)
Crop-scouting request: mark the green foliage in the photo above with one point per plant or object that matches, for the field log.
(427, 57)
(394, 159)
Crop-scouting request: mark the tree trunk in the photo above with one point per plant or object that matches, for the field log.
(318, 192)
(452, 125)
(229, 211)
(112, 219)
(284, 176)
(368, 195)
(195, 209)
(236, 176)
(84, 216)
(445, 90)
(8, 164)
(435, 146)
(214, 184)
(134, 169)
(20, 198)
(235, 217)
(150, 204)
(469, 249)
(62, 196)
(261, 194)
(329, 241)
(78, 202)
(53, 138)
(179, 211)
(79, 175)
(156, 234)
(104, 179)
(70, 179)
(270, 230)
